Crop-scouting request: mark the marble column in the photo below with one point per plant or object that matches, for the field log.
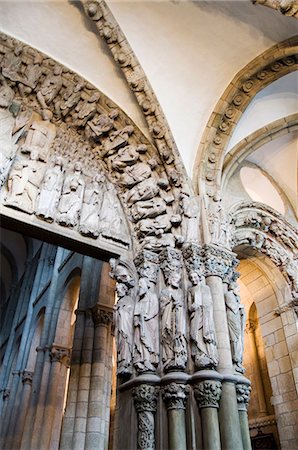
(175, 396)
(207, 391)
(243, 396)
(145, 399)
(219, 263)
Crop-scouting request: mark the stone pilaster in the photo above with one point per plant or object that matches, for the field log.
(145, 399)
(243, 396)
(175, 397)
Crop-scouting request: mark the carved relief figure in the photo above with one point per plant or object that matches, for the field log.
(202, 331)
(72, 196)
(149, 208)
(7, 147)
(31, 74)
(116, 140)
(146, 336)
(11, 64)
(23, 183)
(190, 209)
(40, 137)
(50, 191)
(236, 325)
(70, 97)
(89, 220)
(145, 190)
(111, 220)
(85, 109)
(49, 89)
(173, 326)
(100, 125)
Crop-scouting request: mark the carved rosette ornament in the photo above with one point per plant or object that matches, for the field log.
(145, 399)
(60, 354)
(175, 395)
(27, 377)
(101, 316)
(208, 393)
(243, 396)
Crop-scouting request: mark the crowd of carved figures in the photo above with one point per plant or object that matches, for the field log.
(70, 156)
(161, 319)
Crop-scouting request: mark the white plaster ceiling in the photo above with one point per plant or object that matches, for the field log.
(190, 51)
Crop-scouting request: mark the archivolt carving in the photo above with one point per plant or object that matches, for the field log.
(263, 70)
(70, 156)
(260, 227)
(108, 28)
(286, 7)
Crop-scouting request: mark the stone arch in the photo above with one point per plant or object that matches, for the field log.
(271, 65)
(243, 149)
(89, 156)
(263, 285)
(258, 226)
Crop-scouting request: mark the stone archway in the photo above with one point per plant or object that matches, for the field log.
(271, 65)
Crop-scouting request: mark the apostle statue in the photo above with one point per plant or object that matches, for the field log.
(202, 331)
(71, 198)
(173, 323)
(50, 191)
(236, 325)
(93, 195)
(146, 335)
(7, 146)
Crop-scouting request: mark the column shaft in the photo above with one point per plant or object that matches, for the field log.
(176, 429)
(211, 437)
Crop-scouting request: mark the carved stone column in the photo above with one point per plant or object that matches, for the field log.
(27, 377)
(98, 398)
(218, 265)
(243, 396)
(207, 391)
(175, 397)
(145, 399)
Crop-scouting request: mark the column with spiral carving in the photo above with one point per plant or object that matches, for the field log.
(243, 396)
(175, 397)
(207, 394)
(145, 399)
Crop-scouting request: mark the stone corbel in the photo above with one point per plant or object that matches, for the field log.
(102, 315)
(60, 354)
(27, 377)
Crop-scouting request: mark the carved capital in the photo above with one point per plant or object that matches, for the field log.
(27, 377)
(145, 397)
(193, 257)
(243, 396)
(208, 393)
(175, 395)
(60, 354)
(5, 394)
(101, 316)
(219, 262)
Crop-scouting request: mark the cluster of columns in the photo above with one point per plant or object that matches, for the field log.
(221, 394)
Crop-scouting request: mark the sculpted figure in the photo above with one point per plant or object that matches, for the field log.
(23, 183)
(202, 331)
(158, 243)
(72, 196)
(49, 89)
(31, 75)
(132, 175)
(11, 64)
(157, 226)
(146, 336)
(89, 220)
(40, 137)
(116, 140)
(50, 191)
(85, 109)
(145, 190)
(111, 220)
(173, 324)
(191, 211)
(7, 147)
(236, 325)
(70, 97)
(100, 125)
(148, 208)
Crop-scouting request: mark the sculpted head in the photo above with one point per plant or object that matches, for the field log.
(6, 96)
(143, 287)
(174, 279)
(194, 278)
(121, 289)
